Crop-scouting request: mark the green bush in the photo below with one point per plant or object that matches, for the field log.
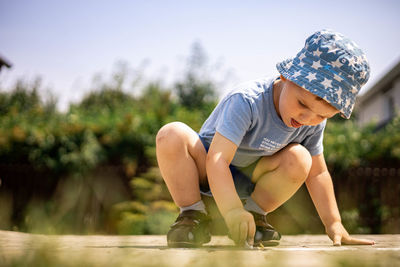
(108, 126)
(347, 145)
(132, 224)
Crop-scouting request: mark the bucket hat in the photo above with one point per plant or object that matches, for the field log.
(330, 66)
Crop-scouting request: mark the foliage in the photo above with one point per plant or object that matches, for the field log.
(196, 89)
(109, 126)
(194, 94)
(347, 145)
(26, 98)
(153, 218)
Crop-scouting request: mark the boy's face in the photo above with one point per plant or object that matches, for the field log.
(297, 106)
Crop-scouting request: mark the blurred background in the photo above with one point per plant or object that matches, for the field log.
(85, 86)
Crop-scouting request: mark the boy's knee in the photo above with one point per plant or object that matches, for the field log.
(169, 134)
(297, 161)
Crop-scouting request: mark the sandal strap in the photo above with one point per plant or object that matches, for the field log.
(261, 221)
(190, 218)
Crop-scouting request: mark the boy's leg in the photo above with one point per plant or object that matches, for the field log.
(181, 157)
(279, 176)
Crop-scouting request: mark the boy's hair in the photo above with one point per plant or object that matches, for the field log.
(330, 66)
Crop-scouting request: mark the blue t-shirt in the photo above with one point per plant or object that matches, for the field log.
(248, 118)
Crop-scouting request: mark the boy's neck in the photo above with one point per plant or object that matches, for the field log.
(276, 92)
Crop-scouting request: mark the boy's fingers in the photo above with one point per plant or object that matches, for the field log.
(357, 241)
(234, 229)
(243, 233)
(251, 232)
(337, 240)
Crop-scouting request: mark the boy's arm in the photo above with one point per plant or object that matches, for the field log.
(240, 222)
(320, 187)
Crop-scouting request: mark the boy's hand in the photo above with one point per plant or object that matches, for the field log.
(338, 234)
(241, 226)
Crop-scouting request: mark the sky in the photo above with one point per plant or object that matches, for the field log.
(67, 43)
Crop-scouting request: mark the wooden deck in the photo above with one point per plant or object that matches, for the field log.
(21, 249)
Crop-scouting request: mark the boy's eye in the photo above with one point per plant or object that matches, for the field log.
(301, 104)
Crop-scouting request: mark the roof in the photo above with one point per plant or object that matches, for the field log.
(384, 84)
(4, 62)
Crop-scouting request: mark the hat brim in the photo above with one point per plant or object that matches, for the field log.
(315, 86)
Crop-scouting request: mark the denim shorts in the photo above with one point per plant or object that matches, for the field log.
(241, 178)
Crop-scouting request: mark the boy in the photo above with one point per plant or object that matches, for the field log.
(261, 143)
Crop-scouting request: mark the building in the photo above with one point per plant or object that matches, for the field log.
(4, 62)
(382, 101)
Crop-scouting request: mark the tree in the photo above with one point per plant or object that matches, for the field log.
(196, 90)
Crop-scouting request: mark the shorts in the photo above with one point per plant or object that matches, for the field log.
(241, 178)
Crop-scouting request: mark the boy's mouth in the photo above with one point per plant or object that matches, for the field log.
(295, 123)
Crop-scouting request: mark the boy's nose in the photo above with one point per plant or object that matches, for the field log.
(307, 118)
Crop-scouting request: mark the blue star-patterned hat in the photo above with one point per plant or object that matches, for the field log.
(330, 66)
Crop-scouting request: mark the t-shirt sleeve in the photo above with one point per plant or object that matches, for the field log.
(314, 142)
(235, 118)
